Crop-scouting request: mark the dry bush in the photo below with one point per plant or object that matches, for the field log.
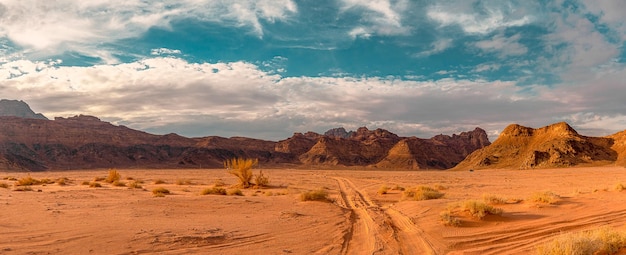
(4, 185)
(234, 192)
(160, 192)
(119, 183)
(397, 187)
(213, 191)
(545, 197)
(604, 240)
(62, 181)
(620, 187)
(440, 187)
(421, 193)
(383, 190)
(261, 180)
(85, 183)
(99, 179)
(219, 183)
(184, 182)
(134, 185)
(45, 181)
(95, 185)
(493, 199)
(315, 195)
(27, 181)
(479, 209)
(448, 219)
(242, 169)
(23, 188)
(159, 181)
(113, 176)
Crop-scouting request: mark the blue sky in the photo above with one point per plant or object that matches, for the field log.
(268, 68)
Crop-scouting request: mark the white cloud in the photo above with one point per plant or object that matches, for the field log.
(436, 47)
(383, 17)
(504, 46)
(164, 51)
(488, 18)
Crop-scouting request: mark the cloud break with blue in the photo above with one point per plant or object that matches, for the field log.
(268, 68)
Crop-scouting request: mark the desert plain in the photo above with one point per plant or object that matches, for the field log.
(75, 218)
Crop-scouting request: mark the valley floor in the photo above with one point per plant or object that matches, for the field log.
(78, 219)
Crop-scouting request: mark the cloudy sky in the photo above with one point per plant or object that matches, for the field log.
(268, 68)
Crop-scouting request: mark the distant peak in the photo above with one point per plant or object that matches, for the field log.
(18, 108)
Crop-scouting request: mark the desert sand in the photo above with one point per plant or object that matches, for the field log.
(78, 219)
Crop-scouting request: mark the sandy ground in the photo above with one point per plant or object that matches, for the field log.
(78, 219)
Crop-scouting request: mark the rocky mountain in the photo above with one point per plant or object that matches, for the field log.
(84, 142)
(556, 145)
(18, 109)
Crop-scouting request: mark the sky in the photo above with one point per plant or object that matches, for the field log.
(268, 68)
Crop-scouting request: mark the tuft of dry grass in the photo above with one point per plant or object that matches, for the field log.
(119, 183)
(494, 199)
(23, 188)
(99, 179)
(242, 169)
(421, 193)
(62, 181)
(113, 176)
(134, 185)
(160, 192)
(4, 185)
(159, 181)
(545, 197)
(95, 185)
(213, 191)
(620, 187)
(448, 219)
(383, 189)
(27, 181)
(604, 240)
(398, 187)
(315, 195)
(184, 182)
(234, 192)
(261, 180)
(479, 209)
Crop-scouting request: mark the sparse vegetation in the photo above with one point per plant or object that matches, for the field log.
(315, 195)
(261, 180)
(99, 179)
(397, 187)
(119, 183)
(219, 183)
(184, 182)
(4, 185)
(27, 181)
(160, 192)
(604, 240)
(493, 199)
(213, 191)
(620, 187)
(23, 188)
(159, 181)
(546, 197)
(383, 189)
(479, 209)
(234, 192)
(242, 169)
(134, 185)
(62, 181)
(421, 193)
(113, 176)
(448, 219)
(95, 185)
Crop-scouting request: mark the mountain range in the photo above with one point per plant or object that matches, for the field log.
(31, 142)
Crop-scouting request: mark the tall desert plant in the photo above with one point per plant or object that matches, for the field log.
(242, 169)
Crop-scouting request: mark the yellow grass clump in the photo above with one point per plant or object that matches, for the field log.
(421, 193)
(604, 240)
(545, 197)
(315, 195)
(95, 185)
(134, 185)
(113, 176)
(620, 187)
(234, 192)
(242, 169)
(261, 180)
(4, 185)
(383, 189)
(479, 209)
(160, 192)
(493, 199)
(213, 191)
(27, 181)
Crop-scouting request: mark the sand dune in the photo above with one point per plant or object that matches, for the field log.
(77, 219)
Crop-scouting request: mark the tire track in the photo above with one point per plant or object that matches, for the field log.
(378, 231)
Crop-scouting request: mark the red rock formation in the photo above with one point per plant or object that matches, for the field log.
(557, 145)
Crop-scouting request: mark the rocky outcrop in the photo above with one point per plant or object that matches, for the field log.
(556, 145)
(18, 109)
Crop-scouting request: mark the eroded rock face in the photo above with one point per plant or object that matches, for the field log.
(18, 109)
(556, 145)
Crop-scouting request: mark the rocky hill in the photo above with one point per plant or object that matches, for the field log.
(18, 109)
(556, 145)
(84, 142)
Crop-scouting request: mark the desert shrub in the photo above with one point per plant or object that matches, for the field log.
(440, 187)
(242, 169)
(261, 180)
(315, 195)
(85, 183)
(119, 183)
(620, 187)
(4, 185)
(113, 176)
(219, 183)
(268, 194)
(234, 192)
(62, 181)
(46, 181)
(27, 181)
(479, 209)
(99, 179)
(23, 188)
(421, 193)
(160, 192)
(383, 190)
(603, 240)
(183, 182)
(214, 191)
(448, 219)
(493, 199)
(546, 197)
(398, 187)
(95, 185)
(159, 181)
(134, 185)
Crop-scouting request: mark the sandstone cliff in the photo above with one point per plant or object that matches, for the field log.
(556, 145)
